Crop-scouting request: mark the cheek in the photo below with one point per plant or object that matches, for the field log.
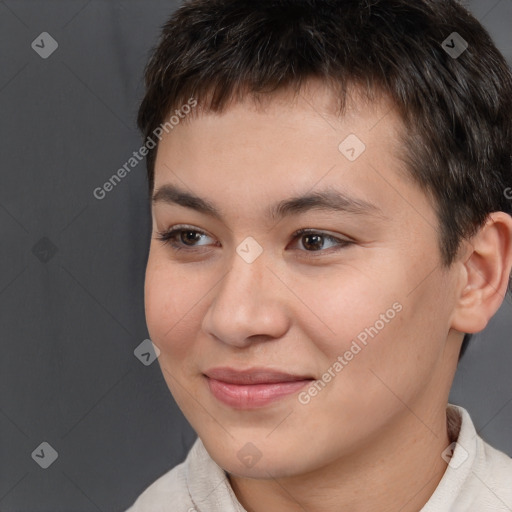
(347, 306)
(172, 303)
(375, 323)
(402, 348)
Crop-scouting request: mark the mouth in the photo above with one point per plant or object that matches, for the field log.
(253, 388)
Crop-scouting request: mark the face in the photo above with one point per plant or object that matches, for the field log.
(356, 310)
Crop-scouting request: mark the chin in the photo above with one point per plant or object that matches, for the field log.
(263, 470)
(249, 461)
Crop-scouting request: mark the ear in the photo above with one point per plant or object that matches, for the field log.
(485, 274)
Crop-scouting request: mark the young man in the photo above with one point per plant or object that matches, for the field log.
(330, 185)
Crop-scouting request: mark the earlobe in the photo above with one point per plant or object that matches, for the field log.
(485, 274)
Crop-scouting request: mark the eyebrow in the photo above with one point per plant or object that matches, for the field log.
(327, 199)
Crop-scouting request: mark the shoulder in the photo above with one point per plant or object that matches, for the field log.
(495, 473)
(478, 476)
(170, 488)
(197, 480)
(489, 482)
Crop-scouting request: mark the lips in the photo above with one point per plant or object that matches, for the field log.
(253, 376)
(253, 388)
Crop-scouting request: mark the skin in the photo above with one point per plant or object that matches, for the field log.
(372, 438)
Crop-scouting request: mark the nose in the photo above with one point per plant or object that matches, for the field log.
(248, 305)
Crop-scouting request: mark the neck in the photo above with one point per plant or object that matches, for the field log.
(398, 471)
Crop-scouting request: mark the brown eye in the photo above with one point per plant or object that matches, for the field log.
(312, 242)
(190, 237)
(184, 238)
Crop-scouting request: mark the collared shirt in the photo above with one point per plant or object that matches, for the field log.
(478, 478)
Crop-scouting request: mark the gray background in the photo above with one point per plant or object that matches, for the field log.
(72, 266)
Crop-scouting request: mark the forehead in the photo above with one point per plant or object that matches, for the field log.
(254, 154)
(311, 121)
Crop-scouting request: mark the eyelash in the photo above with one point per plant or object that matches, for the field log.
(169, 237)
